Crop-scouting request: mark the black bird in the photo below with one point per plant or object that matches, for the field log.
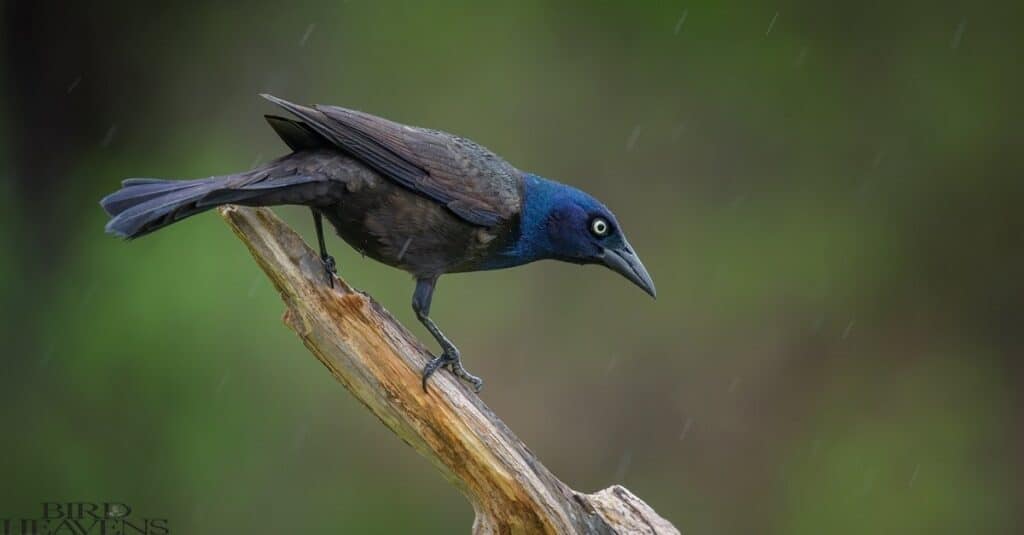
(421, 200)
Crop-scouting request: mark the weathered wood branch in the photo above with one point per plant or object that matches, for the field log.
(379, 362)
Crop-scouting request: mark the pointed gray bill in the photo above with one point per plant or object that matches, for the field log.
(623, 260)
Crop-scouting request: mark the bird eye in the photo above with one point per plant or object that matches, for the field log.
(599, 227)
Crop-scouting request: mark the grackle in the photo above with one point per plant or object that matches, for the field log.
(421, 200)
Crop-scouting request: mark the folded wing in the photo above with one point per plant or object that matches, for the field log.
(470, 180)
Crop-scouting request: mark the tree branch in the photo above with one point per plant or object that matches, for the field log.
(379, 362)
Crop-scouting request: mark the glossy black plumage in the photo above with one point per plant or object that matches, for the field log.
(468, 179)
(421, 200)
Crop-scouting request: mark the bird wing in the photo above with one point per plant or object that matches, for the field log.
(473, 182)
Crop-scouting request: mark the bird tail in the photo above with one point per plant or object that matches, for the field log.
(144, 205)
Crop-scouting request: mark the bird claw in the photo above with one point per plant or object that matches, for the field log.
(461, 373)
(331, 269)
(431, 367)
(453, 363)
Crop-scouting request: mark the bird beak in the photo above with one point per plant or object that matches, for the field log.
(623, 260)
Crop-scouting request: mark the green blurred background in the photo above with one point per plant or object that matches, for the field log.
(828, 197)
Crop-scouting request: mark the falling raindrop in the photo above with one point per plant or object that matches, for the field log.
(220, 385)
(74, 84)
(771, 24)
(305, 36)
(679, 23)
(253, 287)
(405, 246)
(732, 385)
(624, 462)
(869, 481)
(611, 365)
(686, 428)
(958, 34)
(846, 331)
(633, 137)
(913, 476)
(878, 158)
(677, 131)
(109, 136)
(800, 57)
(47, 355)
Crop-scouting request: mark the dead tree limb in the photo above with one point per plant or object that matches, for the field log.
(379, 362)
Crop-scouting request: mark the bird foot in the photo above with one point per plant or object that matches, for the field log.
(461, 373)
(454, 363)
(330, 268)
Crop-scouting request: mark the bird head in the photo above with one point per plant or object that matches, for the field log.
(572, 226)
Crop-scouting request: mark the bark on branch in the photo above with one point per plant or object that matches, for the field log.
(379, 362)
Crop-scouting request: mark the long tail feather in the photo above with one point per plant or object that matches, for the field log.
(144, 205)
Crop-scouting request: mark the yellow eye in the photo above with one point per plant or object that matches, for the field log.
(599, 227)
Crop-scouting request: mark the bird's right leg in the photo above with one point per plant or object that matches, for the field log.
(450, 354)
(329, 265)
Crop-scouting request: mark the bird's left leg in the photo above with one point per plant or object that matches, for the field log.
(450, 354)
(329, 265)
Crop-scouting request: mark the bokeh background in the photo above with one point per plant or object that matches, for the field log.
(828, 197)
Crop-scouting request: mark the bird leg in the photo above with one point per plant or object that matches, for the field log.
(329, 265)
(449, 357)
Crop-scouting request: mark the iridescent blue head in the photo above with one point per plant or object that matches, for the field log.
(563, 223)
